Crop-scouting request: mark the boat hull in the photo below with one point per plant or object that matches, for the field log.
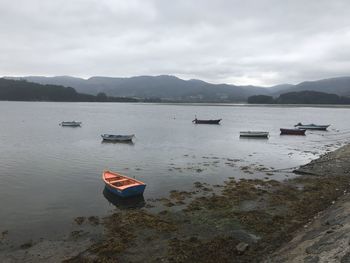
(196, 121)
(312, 127)
(117, 138)
(128, 192)
(136, 201)
(70, 124)
(292, 131)
(248, 134)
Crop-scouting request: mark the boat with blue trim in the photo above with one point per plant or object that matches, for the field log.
(122, 185)
(133, 202)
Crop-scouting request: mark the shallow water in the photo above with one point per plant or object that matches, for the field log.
(50, 174)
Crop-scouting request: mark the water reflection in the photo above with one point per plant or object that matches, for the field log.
(117, 142)
(253, 138)
(124, 203)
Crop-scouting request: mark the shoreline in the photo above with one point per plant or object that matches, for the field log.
(326, 238)
(209, 104)
(245, 220)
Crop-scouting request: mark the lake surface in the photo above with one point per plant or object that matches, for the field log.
(50, 174)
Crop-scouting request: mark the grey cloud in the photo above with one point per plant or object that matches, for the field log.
(261, 42)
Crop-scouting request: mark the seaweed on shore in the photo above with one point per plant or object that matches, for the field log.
(286, 207)
(244, 221)
(121, 231)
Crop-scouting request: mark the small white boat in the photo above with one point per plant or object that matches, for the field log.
(254, 134)
(311, 127)
(70, 123)
(117, 138)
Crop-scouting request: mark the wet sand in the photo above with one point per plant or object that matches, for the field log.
(247, 220)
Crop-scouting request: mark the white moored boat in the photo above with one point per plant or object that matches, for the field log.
(311, 127)
(254, 134)
(71, 123)
(117, 138)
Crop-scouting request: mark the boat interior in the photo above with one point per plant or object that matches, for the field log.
(119, 181)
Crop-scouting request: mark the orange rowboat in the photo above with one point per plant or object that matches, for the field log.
(122, 185)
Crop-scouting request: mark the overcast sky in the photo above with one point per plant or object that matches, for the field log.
(260, 42)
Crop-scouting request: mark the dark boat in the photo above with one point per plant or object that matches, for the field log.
(117, 138)
(70, 124)
(292, 131)
(196, 121)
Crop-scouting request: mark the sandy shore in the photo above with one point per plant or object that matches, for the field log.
(304, 219)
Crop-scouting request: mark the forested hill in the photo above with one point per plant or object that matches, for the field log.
(301, 97)
(171, 88)
(163, 87)
(21, 90)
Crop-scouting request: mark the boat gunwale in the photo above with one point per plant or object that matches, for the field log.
(124, 176)
(311, 126)
(116, 136)
(253, 132)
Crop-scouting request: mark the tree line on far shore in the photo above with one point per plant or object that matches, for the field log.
(21, 90)
(301, 97)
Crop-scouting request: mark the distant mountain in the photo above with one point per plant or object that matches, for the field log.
(22, 90)
(79, 84)
(164, 86)
(171, 88)
(339, 86)
(280, 88)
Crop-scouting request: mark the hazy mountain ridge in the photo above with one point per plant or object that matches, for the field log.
(339, 86)
(163, 86)
(22, 90)
(174, 88)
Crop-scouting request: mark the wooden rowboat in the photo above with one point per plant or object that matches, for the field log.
(292, 131)
(196, 121)
(122, 185)
(254, 134)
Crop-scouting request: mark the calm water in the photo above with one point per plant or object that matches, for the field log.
(51, 174)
